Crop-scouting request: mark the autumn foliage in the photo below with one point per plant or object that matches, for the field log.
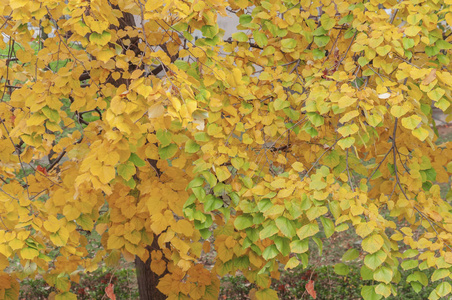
(312, 118)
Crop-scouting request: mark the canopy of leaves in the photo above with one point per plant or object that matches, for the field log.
(311, 117)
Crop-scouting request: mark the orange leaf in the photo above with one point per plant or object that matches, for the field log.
(109, 291)
(310, 289)
(42, 170)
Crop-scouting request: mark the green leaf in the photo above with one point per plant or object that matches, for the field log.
(85, 222)
(168, 151)
(443, 289)
(366, 273)
(62, 283)
(100, 39)
(319, 31)
(328, 226)
(283, 245)
(418, 276)
(268, 231)
(209, 31)
(368, 293)
(349, 33)
(407, 43)
(341, 269)
(260, 38)
(362, 61)
(270, 252)
(126, 170)
(264, 205)
(294, 115)
(191, 147)
(346, 142)
(442, 44)
(288, 43)
(53, 115)
(66, 296)
(322, 40)
(299, 246)
(201, 137)
(240, 37)
(164, 137)
(431, 50)
(252, 234)
(316, 119)
(245, 19)
(319, 244)
(212, 203)
(318, 53)
(436, 94)
(308, 230)
(285, 226)
(383, 274)
(346, 19)
(196, 182)
(137, 161)
(440, 274)
(410, 264)
(417, 287)
(375, 260)
(243, 221)
(383, 289)
(351, 254)
(266, 294)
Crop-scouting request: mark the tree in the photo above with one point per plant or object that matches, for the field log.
(315, 116)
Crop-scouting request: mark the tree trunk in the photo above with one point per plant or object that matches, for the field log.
(148, 280)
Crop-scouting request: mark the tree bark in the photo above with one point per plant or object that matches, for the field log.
(148, 280)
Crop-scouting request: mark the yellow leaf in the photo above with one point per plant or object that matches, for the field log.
(346, 101)
(449, 19)
(105, 54)
(372, 243)
(411, 122)
(398, 111)
(237, 75)
(61, 237)
(430, 77)
(115, 242)
(18, 4)
(266, 294)
(158, 266)
(278, 183)
(155, 111)
(316, 211)
(185, 227)
(292, 263)
(420, 133)
(348, 116)
(412, 30)
(105, 173)
(52, 224)
(308, 230)
(298, 166)
(222, 173)
(29, 253)
(382, 51)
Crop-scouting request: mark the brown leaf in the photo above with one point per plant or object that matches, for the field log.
(310, 289)
(430, 77)
(109, 291)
